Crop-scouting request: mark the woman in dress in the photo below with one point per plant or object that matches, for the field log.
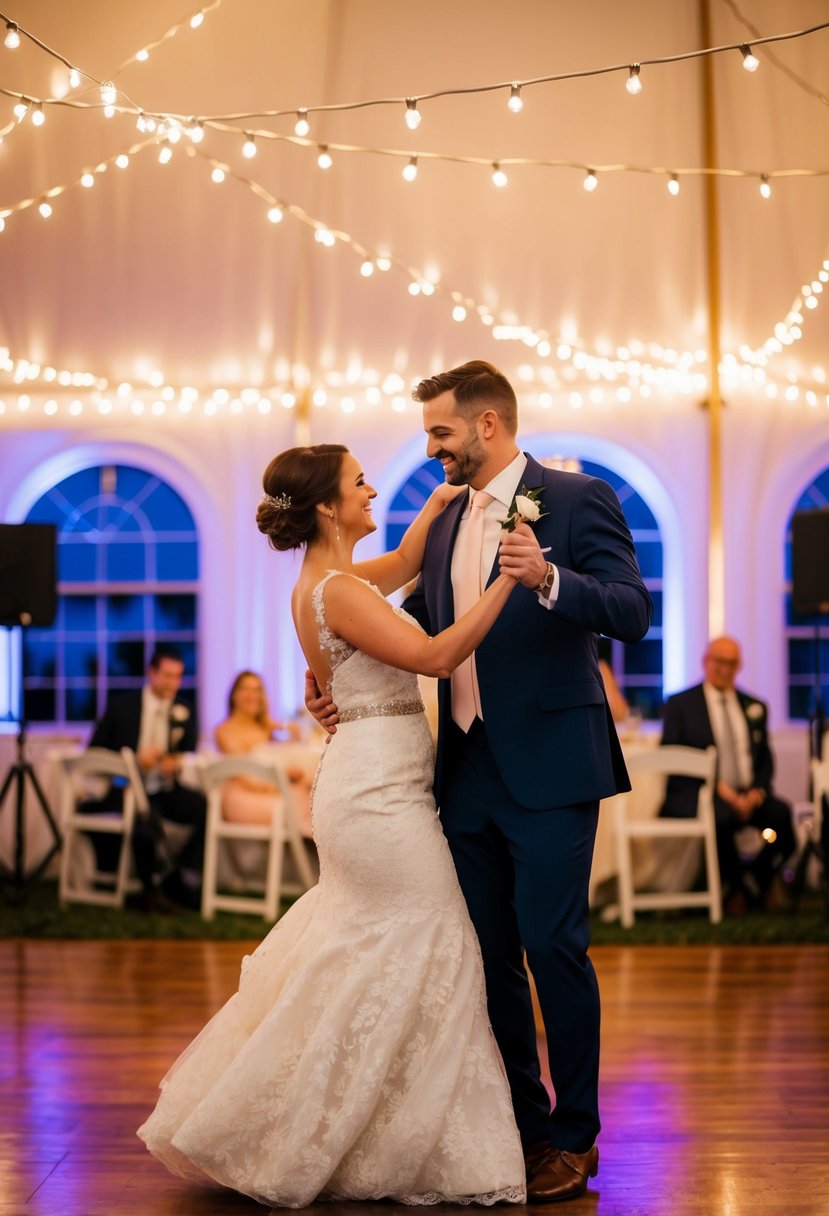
(356, 1061)
(247, 727)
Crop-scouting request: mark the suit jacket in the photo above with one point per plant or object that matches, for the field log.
(546, 715)
(121, 726)
(687, 723)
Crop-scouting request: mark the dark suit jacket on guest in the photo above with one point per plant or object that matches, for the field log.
(121, 726)
(687, 723)
(547, 720)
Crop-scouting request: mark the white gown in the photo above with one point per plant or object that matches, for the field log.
(356, 1060)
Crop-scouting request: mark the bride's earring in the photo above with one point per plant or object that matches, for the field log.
(333, 515)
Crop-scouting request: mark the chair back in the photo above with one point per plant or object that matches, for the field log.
(675, 760)
(216, 772)
(101, 762)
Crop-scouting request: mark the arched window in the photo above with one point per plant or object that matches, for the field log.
(638, 668)
(803, 633)
(128, 569)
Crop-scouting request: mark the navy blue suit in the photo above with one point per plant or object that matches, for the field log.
(518, 795)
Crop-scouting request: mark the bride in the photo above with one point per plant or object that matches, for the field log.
(356, 1060)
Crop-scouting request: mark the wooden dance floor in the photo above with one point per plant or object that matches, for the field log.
(715, 1078)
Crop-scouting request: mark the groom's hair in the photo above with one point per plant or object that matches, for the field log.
(477, 386)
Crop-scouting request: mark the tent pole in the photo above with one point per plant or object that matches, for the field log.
(716, 554)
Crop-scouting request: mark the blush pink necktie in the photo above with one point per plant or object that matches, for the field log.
(466, 700)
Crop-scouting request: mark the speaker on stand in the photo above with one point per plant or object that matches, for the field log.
(28, 596)
(810, 597)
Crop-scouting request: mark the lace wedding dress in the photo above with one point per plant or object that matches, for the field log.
(356, 1060)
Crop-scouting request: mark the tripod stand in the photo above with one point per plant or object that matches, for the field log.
(17, 777)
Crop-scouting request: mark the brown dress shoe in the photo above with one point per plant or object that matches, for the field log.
(558, 1174)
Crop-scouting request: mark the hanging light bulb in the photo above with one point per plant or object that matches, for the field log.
(499, 177)
(74, 78)
(38, 117)
(673, 185)
(275, 215)
(515, 102)
(324, 159)
(412, 114)
(634, 84)
(196, 20)
(21, 109)
(173, 131)
(142, 56)
(410, 170)
(302, 125)
(109, 111)
(165, 155)
(590, 182)
(196, 132)
(87, 180)
(750, 61)
(765, 186)
(249, 148)
(2, 223)
(12, 39)
(459, 313)
(109, 93)
(122, 160)
(218, 175)
(367, 269)
(45, 209)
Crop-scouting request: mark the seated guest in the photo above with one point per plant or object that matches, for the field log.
(247, 727)
(159, 728)
(716, 712)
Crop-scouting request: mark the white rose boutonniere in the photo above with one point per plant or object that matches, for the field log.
(755, 711)
(179, 713)
(524, 508)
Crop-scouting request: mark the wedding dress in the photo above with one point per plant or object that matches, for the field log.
(356, 1060)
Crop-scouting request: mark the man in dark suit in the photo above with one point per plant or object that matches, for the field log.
(159, 728)
(519, 776)
(716, 712)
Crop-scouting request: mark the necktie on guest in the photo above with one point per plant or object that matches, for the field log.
(729, 764)
(466, 700)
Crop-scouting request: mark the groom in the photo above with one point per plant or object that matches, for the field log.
(527, 746)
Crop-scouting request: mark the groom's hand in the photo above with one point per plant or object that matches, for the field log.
(320, 705)
(520, 555)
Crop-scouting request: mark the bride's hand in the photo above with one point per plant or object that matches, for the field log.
(320, 705)
(445, 494)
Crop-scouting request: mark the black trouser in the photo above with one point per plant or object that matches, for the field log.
(180, 804)
(774, 814)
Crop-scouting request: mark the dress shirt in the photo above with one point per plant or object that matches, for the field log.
(739, 727)
(503, 488)
(154, 732)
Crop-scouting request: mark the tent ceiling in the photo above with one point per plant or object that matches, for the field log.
(156, 268)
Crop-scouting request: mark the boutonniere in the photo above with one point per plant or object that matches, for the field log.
(179, 713)
(754, 710)
(524, 508)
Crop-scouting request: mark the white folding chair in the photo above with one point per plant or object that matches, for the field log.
(670, 762)
(283, 831)
(80, 879)
(820, 790)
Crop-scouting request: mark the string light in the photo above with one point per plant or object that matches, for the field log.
(20, 110)
(367, 269)
(196, 132)
(12, 39)
(196, 20)
(412, 114)
(165, 155)
(410, 170)
(218, 175)
(38, 117)
(590, 182)
(275, 215)
(499, 177)
(45, 209)
(302, 125)
(324, 158)
(515, 102)
(765, 186)
(109, 93)
(74, 78)
(143, 55)
(122, 160)
(459, 313)
(750, 61)
(673, 185)
(249, 148)
(634, 84)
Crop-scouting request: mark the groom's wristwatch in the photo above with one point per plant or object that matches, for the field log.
(546, 585)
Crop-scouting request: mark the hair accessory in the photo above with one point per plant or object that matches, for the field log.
(280, 502)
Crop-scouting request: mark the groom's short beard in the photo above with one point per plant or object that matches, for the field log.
(467, 462)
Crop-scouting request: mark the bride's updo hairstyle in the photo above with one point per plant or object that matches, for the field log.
(295, 482)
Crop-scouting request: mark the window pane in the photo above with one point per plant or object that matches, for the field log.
(187, 650)
(649, 556)
(166, 510)
(39, 704)
(80, 659)
(177, 561)
(76, 561)
(656, 596)
(79, 613)
(125, 562)
(644, 658)
(175, 614)
(125, 613)
(125, 658)
(39, 655)
(80, 705)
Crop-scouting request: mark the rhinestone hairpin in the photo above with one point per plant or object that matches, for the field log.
(279, 502)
